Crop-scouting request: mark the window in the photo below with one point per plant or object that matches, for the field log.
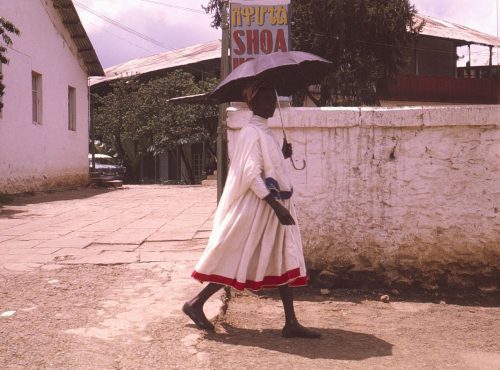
(36, 87)
(197, 164)
(1, 97)
(71, 108)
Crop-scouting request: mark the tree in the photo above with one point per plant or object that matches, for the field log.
(6, 27)
(365, 39)
(137, 118)
(114, 116)
(215, 7)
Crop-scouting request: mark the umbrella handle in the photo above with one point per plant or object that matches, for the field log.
(303, 164)
(284, 134)
(279, 110)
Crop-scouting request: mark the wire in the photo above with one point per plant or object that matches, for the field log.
(389, 45)
(120, 25)
(119, 37)
(175, 6)
(142, 36)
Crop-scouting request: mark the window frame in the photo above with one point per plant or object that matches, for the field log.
(36, 98)
(71, 108)
(1, 97)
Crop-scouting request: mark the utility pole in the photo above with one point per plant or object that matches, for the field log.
(222, 159)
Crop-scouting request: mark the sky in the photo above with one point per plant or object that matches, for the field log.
(170, 24)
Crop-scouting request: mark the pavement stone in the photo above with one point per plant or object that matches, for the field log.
(131, 225)
(20, 266)
(169, 256)
(169, 235)
(28, 251)
(104, 258)
(72, 253)
(26, 258)
(6, 237)
(15, 243)
(203, 234)
(63, 224)
(112, 247)
(173, 246)
(8, 223)
(161, 230)
(126, 236)
(42, 235)
(149, 223)
(67, 241)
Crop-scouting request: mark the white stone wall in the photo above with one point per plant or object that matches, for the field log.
(36, 157)
(405, 196)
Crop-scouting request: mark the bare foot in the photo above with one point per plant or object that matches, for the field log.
(298, 331)
(196, 314)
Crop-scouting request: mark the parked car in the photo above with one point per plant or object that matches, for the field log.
(106, 167)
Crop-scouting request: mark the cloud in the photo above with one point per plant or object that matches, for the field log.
(478, 14)
(171, 27)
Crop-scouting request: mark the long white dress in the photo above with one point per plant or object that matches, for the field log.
(248, 246)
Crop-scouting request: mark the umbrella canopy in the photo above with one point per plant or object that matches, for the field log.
(287, 71)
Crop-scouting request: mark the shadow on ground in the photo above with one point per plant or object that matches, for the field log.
(9, 205)
(461, 297)
(334, 344)
(10, 213)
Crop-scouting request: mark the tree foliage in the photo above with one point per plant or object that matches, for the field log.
(6, 28)
(365, 39)
(136, 118)
(215, 8)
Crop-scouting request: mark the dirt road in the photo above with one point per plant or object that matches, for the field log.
(360, 332)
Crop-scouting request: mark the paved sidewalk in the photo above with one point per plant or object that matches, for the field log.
(137, 224)
(103, 274)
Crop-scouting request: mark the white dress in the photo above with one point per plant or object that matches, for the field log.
(248, 246)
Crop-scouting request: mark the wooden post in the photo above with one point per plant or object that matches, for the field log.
(222, 157)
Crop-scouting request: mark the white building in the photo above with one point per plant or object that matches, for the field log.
(44, 124)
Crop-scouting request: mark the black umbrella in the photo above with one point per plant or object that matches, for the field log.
(287, 71)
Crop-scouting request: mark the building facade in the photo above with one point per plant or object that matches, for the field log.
(44, 121)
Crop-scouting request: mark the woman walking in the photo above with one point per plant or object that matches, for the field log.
(255, 242)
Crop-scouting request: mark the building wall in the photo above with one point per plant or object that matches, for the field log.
(431, 56)
(404, 196)
(36, 157)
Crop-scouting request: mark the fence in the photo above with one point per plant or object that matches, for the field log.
(445, 89)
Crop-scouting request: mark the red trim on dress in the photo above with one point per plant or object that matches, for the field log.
(292, 278)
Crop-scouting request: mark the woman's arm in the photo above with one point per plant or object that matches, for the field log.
(283, 214)
(259, 188)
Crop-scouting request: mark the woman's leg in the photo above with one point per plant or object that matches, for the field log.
(286, 294)
(194, 307)
(292, 327)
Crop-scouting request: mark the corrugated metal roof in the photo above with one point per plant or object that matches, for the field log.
(72, 22)
(444, 29)
(170, 59)
(212, 50)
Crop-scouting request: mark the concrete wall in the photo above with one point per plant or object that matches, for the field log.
(32, 156)
(401, 196)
